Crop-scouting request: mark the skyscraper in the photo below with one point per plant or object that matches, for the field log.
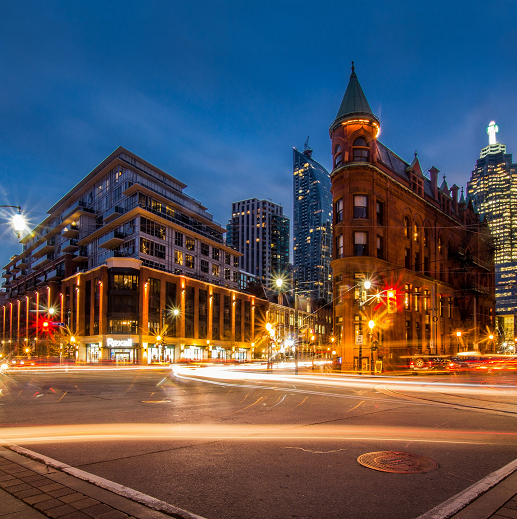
(493, 190)
(312, 225)
(259, 230)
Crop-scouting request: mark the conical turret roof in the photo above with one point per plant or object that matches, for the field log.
(354, 103)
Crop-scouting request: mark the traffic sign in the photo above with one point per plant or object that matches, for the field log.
(59, 324)
(359, 339)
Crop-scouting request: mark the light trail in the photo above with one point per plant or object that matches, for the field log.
(280, 433)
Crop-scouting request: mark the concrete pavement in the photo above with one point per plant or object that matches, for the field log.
(31, 489)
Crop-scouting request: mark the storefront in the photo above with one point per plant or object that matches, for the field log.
(159, 354)
(241, 354)
(93, 353)
(221, 354)
(122, 351)
(194, 353)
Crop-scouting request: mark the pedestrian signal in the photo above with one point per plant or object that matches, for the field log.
(391, 301)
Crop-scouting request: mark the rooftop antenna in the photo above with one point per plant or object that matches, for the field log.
(306, 145)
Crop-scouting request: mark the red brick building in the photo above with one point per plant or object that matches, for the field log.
(424, 250)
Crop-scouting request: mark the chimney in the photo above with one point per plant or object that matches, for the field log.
(454, 191)
(434, 181)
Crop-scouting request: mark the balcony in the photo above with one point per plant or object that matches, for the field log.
(70, 245)
(45, 260)
(112, 214)
(15, 269)
(111, 240)
(6, 274)
(24, 264)
(40, 280)
(56, 274)
(71, 231)
(44, 248)
(7, 284)
(82, 255)
(77, 208)
(476, 287)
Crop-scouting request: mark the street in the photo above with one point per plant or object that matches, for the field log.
(245, 443)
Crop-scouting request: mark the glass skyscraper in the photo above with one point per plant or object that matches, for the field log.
(493, 190)
(312, 226)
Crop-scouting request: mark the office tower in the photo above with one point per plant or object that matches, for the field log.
(312, 226)
(493, 190)
(259, 230)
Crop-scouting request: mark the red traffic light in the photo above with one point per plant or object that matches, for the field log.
(45, 324)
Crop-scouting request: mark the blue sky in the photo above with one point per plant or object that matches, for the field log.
(217, 93)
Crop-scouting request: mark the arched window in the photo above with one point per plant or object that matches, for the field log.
(338, 157)
(407, 227)
(361, 150)
(440, 245)
(416, 233)
(426, 238)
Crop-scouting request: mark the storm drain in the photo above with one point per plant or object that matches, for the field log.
(398, 462)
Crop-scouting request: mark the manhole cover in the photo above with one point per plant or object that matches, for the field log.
(398, 462)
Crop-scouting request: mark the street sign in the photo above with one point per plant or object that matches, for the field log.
(359, 339)
(59, 324)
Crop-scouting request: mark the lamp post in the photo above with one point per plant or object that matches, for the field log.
(458, 336)
(371, 324)
(269, 328)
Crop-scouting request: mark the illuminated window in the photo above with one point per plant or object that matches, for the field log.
(178, 257)
(407, 227)
(361, 150)
(360, 206)
(339, 246)
(360, 243)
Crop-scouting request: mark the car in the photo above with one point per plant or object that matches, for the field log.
(468, 360)
(428, 362)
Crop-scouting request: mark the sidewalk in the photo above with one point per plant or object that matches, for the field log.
(493, 497)
(31, 489)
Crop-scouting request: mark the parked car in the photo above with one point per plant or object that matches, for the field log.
(428, 362)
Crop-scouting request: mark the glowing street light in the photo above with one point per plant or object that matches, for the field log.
(51, 311)
(279, 282)
(367, 285)
(175, 312)
(371, 324)
(17, 221)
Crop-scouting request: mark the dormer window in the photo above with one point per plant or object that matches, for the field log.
(338, 157)
(361, 150)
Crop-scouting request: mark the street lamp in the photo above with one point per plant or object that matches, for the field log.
(371, 324)
(269, 328)
(18, 222)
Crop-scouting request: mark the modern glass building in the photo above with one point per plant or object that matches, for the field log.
(493, 190)
(259, 230)
(312, 226)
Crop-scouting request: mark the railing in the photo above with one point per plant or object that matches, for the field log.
(79, 205)
(481, 263)
(110, 236)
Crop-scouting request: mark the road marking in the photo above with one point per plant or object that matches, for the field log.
(63, 395)
(459, 501)
(121, 490)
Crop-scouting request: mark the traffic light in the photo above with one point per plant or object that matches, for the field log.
(45, 325)
(391, 301)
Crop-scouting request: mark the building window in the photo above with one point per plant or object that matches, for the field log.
(227, 274)
(235, 276)
(416, 234)
(360, 206)
(189, 261)
(407, 227)
(439, 245)
(235, 261)
(227, 257)
(124, 282)
(204, 266)
(361, 150)
(407, 297)
(339, 210)
(418, 265)
(190, 243)
(178, 239)
(380, 213)
(215, 270)
(338, 157)
(426, 238)
(417, 299)
(427, 272)
(205, 249)
(380, 248)
(451, 302)
(360, 243)
(178, 257)
(339, 246)
(215, 253)
(407, 259)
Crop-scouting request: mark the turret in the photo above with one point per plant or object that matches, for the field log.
(355, 128)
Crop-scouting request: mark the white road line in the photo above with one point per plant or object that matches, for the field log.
(459, 501)
(121, 490)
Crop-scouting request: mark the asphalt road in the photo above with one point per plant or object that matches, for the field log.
(242, 445)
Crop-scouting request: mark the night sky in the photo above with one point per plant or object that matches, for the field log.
(218, 93)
